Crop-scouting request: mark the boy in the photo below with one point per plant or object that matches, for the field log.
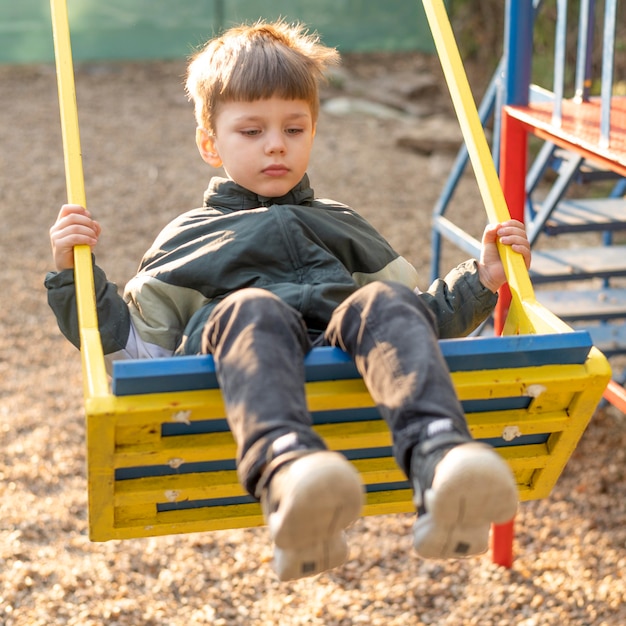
(264, 271)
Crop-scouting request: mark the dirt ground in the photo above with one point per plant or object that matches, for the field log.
(142, 169)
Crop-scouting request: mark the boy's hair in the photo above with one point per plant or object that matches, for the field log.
(255, 62)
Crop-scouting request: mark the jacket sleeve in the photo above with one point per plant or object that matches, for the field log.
(459, 302)
(113, 315)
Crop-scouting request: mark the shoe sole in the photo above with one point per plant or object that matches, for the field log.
(473, 488)
(322, 495)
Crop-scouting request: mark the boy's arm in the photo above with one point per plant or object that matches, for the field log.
(459, 302)
(468, 294)
(113, 316)
(120, 340)
(74, 226)
(511, 233)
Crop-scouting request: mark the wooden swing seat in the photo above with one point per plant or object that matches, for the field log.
(161, 456)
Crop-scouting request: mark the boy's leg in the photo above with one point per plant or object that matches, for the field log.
(308, 494)
(460, 486)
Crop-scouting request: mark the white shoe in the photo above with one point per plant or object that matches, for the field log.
(307, 505)
(472, 488)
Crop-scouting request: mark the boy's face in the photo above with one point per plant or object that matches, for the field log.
(263, 145)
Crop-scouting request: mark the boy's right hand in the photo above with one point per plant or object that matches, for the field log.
(73, 227)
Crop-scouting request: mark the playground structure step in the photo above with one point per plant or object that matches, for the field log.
(579, 305)
(609, 338)
(588, 172)
(586, 215)
(569, 264)
(602, 312)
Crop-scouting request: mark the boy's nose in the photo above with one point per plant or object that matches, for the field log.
(275, 143)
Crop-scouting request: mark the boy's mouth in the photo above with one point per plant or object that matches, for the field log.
(276, 170)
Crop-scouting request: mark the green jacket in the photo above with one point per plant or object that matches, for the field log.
(311, 253)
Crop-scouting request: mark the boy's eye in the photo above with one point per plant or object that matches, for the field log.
(294, 131)
(250, 132)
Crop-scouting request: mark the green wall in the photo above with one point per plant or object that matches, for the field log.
(165, 29)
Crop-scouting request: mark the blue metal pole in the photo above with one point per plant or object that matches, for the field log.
(608, 48)
(584, 50)
(560, 42)
(518, 40)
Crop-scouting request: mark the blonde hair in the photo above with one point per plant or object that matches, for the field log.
(255, 62)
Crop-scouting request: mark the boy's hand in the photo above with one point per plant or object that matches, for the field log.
(490, 269)
(73, 227)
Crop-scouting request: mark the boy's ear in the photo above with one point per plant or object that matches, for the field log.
(206, 146)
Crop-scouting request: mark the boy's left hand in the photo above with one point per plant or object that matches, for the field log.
(490, 269)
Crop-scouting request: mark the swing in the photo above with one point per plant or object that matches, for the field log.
(160, 457)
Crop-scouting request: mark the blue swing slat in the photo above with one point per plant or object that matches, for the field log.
(469, 354)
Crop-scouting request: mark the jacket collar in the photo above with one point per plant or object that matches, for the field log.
(224, 193)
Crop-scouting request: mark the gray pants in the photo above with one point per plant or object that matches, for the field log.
(259, 344)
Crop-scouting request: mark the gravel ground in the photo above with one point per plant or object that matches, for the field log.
(142, 168)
